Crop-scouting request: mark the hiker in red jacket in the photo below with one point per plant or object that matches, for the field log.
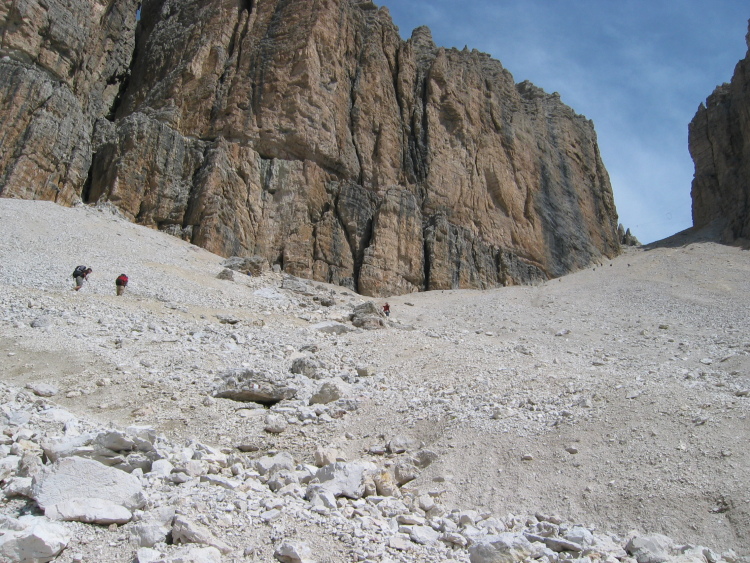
(387, 310)
(121, 282)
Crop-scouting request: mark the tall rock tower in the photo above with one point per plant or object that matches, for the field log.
(720, 147)
(309, 133)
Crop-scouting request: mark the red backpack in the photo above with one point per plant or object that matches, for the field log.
(122, 279)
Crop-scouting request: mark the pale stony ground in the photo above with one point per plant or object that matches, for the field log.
(616, 397)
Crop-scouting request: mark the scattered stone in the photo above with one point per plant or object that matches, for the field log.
(404, 472)
(424, 535)
(401, 444)
(308, 366)
(344, 479)
(148, 534)
(329, 392)
(293, 552)
(505, 547)
(365, 371)
(43, 389)
(226, 274)
(368, 316)
(650, 549)
(185, 530)
(275, 423)
(251, 266)
(327, 456)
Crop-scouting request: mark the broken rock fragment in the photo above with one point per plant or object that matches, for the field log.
(32, 539)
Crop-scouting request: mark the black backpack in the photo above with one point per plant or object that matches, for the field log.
(79, 271)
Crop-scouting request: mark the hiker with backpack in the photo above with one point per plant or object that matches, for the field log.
(121, 283)
(80, 274)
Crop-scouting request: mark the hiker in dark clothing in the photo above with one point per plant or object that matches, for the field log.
(80, 274)
(121, 283)
(387, 310)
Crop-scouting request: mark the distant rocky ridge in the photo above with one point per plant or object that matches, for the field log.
(307, 133)
(720, 147)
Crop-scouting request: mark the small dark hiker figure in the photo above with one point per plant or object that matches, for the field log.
(121, 283)
(80, 274)
(387, 310)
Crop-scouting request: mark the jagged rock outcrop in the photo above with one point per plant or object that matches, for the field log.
(62, 67)
(720, 147)
(311, 134)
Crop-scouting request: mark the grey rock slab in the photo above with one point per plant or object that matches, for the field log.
(555, 544)
(247, 385)
(332, 327)
(76, 477)
(89, 510)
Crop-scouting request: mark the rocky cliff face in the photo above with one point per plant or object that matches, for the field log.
(306, 132)
(720, 147)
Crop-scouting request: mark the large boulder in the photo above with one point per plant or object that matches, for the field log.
(247, 385)
(344, 479)
(81, 489)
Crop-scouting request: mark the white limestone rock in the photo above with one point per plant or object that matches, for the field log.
(148, 534)
(294, 552)
(501, 548)
(89, 510)
(185, 530)
(650, 549)
(75, 478)
(345, 479)
(268, 465)
(39, 541)
(330, 391)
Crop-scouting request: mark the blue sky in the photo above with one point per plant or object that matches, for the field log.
(638, 68)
